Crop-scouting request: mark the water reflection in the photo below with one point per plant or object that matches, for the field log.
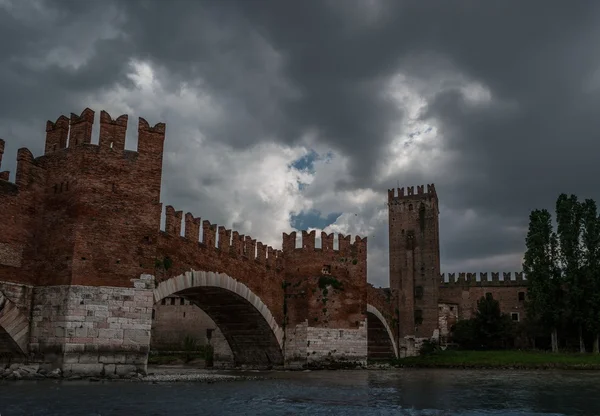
(401, 392)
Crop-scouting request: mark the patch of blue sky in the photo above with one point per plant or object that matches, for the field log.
(313, 219)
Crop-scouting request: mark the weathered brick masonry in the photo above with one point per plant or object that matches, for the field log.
(326, 299)
(81, 243)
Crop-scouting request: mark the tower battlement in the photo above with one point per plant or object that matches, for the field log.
(308, 243)
(75, 131)
(423, 191)
(484, 279)
(68, 143)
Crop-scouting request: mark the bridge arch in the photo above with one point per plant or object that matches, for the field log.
(377, 326)
(14, 328)
(253, 334)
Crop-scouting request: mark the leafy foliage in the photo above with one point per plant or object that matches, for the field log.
(190, 346)
(563, 269)
(490, 328)
(545, 289)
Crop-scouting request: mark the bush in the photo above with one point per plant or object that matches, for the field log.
(464, 334)
(428, 347)
(190, 346)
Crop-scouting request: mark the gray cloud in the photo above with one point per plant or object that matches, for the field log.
(277, 70)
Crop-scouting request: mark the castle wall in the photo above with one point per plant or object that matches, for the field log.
(174, 318)
(462, 293)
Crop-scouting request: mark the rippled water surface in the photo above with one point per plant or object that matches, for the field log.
(394, 392)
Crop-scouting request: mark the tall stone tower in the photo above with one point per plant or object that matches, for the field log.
(415, 261)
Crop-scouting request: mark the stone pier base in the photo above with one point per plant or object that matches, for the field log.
(313, 347)
(91, 330)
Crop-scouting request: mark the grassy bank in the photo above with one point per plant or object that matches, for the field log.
(502, 359)
(174, 358)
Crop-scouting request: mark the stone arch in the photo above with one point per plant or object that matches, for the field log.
(14, 327)
(375, 317)
(252, 332)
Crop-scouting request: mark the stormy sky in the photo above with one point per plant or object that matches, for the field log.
(285, 115)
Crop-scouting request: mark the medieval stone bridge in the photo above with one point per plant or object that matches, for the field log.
(83, 260)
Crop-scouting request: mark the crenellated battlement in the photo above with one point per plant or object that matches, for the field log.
(423, 191)
(484, 279)
(3, 174)
(26, 164)
(218, 238)
(77, 130)
(113, 132)
(308, 242)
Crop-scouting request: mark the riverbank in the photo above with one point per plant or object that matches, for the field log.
(501, 360)
(155, 374)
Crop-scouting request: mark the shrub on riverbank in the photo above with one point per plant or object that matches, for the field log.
(501, 359)
(201, 352)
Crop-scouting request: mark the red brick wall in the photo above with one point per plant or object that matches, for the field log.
(21, 208)
(304, 267)
(86, 214)
(467, 290)
(262, 275)
(414, 257)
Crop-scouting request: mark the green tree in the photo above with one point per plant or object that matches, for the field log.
(591, 269)
(465, 334)
(569, 230)
(492, 327)
(545, 291)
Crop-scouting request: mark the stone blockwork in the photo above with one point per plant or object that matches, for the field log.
(338, 347)
(92, 329)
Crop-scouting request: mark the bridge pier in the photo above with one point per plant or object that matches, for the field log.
(315, 347)
(92, 330)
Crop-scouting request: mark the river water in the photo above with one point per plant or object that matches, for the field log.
(384, 392)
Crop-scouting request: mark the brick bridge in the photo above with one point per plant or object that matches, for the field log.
(83, 260)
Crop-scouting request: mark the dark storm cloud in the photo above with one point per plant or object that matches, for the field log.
(42, 74)
(282, 68)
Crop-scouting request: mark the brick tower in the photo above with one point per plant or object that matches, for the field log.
(415, 260)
